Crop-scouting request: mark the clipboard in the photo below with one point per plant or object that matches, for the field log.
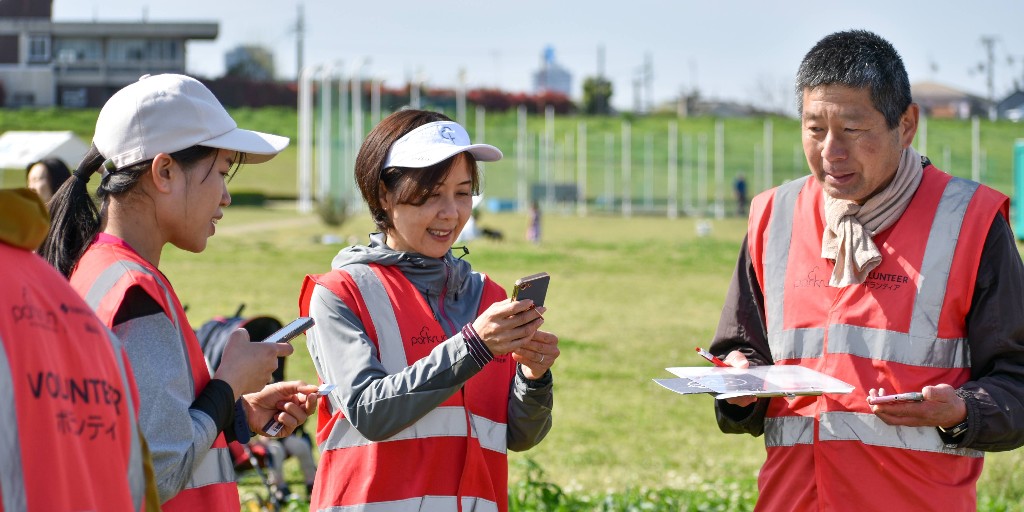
(759, 381)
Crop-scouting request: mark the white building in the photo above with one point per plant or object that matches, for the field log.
(76, 64)
(551, 77)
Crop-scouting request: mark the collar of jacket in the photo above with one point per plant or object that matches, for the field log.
(429, 275)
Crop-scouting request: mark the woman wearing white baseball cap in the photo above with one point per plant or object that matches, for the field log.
(438, 374)
(165, 147)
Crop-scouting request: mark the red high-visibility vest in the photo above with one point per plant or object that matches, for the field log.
(69, 436)
(902, 329)
(455, 455)
(104, 274)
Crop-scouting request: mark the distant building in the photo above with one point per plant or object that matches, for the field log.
(941, 101)
(1012, 107)
(551, 77)
(253, 62)
(78, 64)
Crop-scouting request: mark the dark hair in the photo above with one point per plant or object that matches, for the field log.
(410, 186)
(74, 217)
(56, 171)
(858, 58)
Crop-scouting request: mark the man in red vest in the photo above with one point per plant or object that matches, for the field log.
(69, 438)
(891, 275)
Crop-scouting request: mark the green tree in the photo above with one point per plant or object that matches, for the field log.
(597, 95)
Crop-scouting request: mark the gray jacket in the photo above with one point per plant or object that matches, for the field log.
(379, 404)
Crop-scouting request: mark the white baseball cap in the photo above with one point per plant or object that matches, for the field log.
(434, 142)
(168, 113)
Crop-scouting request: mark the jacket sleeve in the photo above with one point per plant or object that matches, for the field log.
(742, 327)
(178, 435)
(529, 411)
(377, 404)
(995, 331)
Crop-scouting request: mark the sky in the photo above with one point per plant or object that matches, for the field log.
(742, 50)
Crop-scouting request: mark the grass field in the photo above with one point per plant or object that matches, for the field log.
(628, 298)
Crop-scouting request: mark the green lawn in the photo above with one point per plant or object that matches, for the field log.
(628, 298)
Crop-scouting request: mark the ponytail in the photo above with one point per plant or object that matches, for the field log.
(74, 219)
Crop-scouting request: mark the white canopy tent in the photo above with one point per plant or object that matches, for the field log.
(20, 148)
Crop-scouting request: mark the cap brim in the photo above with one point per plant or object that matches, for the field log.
(258, 147)
(439, 152)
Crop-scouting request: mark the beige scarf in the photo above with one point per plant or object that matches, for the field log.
(850, 226)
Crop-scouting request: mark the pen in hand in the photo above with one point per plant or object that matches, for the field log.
(710, 357)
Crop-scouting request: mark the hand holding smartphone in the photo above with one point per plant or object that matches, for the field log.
(290, 331)
(915, 396)
(533, 287)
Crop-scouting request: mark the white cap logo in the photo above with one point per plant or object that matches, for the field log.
(447, 133)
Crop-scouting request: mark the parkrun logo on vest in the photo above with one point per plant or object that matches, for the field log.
(811, 281)
(33, 315)
(425, 338)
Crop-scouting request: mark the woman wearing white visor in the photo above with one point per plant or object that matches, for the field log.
(165, 148)
(438, 373)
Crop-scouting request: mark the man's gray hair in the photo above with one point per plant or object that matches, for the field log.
(858, 58)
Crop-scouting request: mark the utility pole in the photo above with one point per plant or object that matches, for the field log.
(989, 42)
(300, 38)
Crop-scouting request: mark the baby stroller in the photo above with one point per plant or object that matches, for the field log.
(213, 336)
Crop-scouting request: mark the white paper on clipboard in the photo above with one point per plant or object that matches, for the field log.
(760, 381)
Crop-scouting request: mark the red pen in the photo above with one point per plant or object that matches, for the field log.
(710, 357)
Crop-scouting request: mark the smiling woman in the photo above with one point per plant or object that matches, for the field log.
(438, 373)
(165, 147)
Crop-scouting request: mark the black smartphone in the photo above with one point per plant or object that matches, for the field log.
(533, 287)
(293, 329)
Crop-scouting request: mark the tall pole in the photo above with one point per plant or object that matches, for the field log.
(305, 131)
(549, 146)
(976, 149)
(300, 40)
(521, 158)
(609, 177)
(324, 166)
(989, 42)
(627, 170)
(649, 172)
(581, 169)
(673, 170)
(719, 169)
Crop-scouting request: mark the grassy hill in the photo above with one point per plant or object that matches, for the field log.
(948, 145)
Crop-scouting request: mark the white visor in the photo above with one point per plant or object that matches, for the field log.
(435, 142)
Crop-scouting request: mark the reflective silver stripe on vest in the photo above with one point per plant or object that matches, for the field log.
(440, 422)
(136, 472)
(938, 257)
(423, 504)
(12, 476)
(898, 347)
(798, 344)
(112, 274)
(217, 467)
(788, 431)
(389, 337)
(921, 346)
(776, 256)
(870, 430)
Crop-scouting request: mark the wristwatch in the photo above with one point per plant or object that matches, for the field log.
(951, 436)
(956, 430)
